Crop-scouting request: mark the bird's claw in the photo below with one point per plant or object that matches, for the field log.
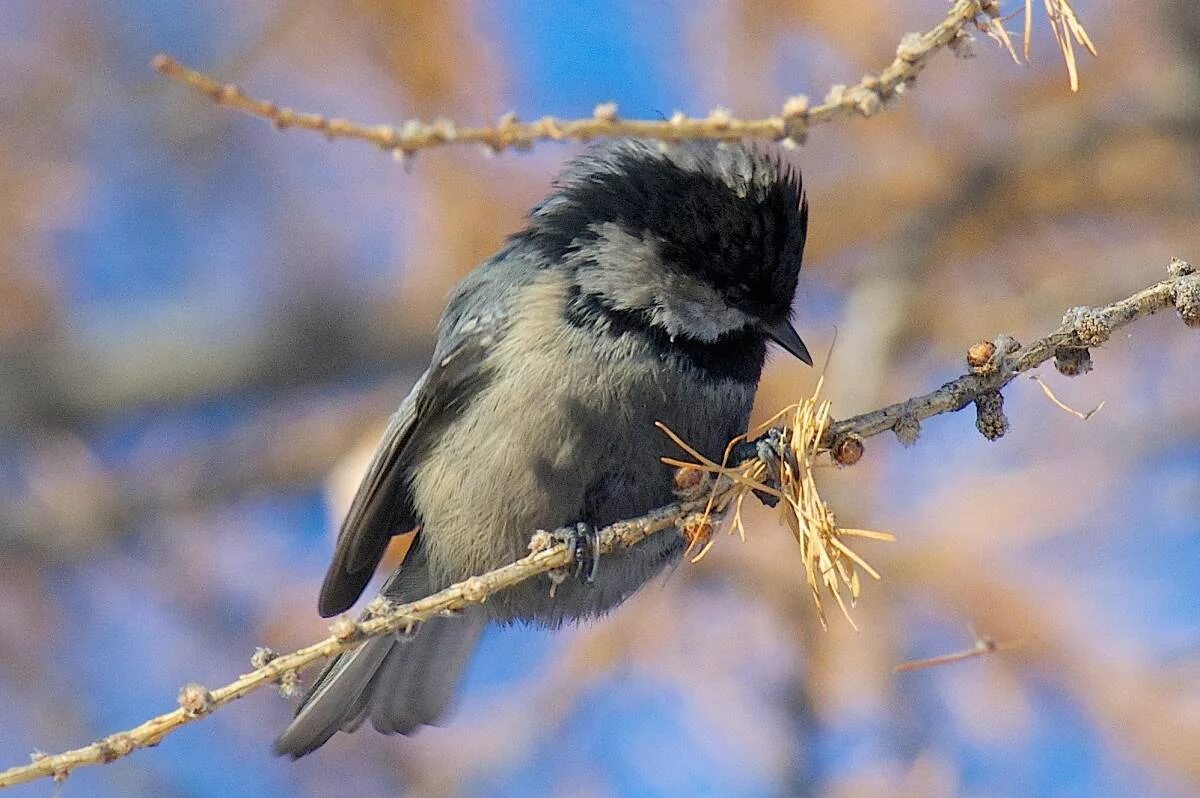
(584, 544)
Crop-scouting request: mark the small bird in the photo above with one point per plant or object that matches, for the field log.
(644, 289)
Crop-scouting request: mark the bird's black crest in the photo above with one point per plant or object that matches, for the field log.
(730, 216)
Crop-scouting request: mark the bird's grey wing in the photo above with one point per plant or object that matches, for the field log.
(383, 506)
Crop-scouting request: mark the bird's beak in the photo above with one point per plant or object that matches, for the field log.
(785, 335)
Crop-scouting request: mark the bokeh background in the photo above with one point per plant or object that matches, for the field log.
(204, 324)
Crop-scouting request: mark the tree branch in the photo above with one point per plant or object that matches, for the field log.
(993, 365)
(790, 125)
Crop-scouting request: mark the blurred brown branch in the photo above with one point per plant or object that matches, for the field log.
(993, 365)
(981, 647)
(791, 124)
(73, 502)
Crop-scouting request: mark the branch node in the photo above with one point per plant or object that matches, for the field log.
(847, 450)
(795, 107)
(911, 48)
(720, 118)
(289, 683)
(262, 656)
(836, 95)
(1071, 361)
(869, 101)
(962, 45)
(979, 356)
(1091, 328)
(1178, 267)
(1006, 345)
(475, 590)
(1187, 299)
(540, 541)
(795, 121)
(989, 357)
(605, 112)
(689, 483)
(697, 529)
(907, 429)
(344, 629)
(380, 605)
(195, 700)
(989, 415)
(115, 746)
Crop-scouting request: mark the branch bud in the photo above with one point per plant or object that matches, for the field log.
(1091, 329)
(980, 354)
(719, 118)
(989, 415)
(907, 429)
(795, 107)
(1187, 300)
(262, 657)
(688, 483)
(1071, 361)
(475, 590)
(605, 112)
(195, 700)
(911, 48)
(848, 450)
(116, 746)
(343, 629)
(1178, 267)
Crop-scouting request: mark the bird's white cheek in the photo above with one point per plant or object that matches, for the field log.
(706, 320)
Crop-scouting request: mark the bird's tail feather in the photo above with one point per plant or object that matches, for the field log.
(399, 683)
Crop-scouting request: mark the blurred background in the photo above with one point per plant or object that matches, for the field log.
(204, 324)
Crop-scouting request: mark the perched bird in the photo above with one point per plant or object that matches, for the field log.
(644, 288)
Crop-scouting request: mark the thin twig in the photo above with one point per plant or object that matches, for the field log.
(1079, 414)
(982, 647)
(791, 124)
(1082, 328)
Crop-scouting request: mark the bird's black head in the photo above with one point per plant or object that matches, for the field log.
(701, 240)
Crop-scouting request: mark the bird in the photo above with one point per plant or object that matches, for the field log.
(644, 288)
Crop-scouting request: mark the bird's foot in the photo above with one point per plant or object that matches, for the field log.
(766, 448)
(584, 545)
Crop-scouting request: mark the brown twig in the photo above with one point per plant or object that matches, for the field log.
(1081, 328)
(1059, 403)
(790, 125)
(982, 646)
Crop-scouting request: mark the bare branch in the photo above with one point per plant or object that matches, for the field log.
(1082, 328)
(1005, 359)
(790, 125)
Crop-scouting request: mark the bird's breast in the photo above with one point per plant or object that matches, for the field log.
(564, 431)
